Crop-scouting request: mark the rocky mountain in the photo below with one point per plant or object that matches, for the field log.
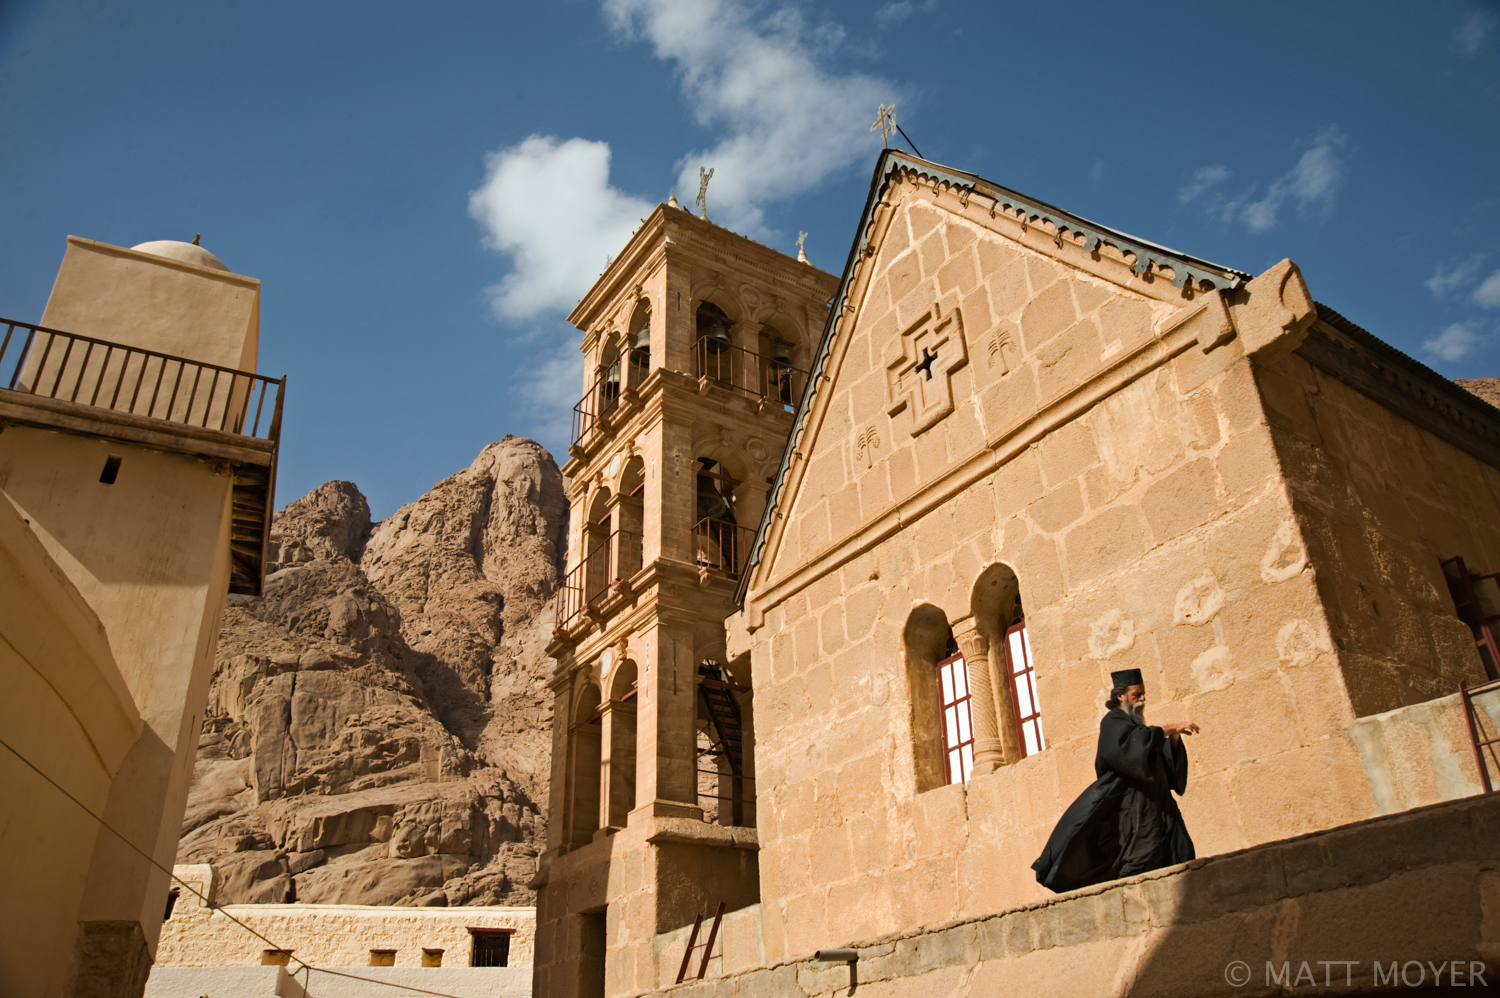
(378, 727)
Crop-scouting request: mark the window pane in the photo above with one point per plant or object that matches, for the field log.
(1023, 696)
(946, 672)
(1018, 656)
(968, 762)
(1029, 729)
(963, 723)
(950, 717)
(955, 767)
(1036, 701)
(960, 679)
(1026, 643)
(1041, 740)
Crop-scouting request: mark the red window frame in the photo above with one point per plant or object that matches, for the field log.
(1022, 673)
(955, 718)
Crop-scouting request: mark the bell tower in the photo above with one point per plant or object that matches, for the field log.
(696, 346)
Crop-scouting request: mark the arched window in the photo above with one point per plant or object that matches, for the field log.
(609, 379)
(622, 745)
(937, 680)
(597, 573)
(631, 525)
(584, 804)
(1001, 618)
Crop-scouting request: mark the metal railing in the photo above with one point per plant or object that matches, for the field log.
(721, 545)
(612, 560)
(748, 372)
(52, 364)
(603, 396)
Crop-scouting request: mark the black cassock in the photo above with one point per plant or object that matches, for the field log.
(1126, 822)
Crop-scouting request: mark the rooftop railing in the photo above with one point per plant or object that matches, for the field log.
(67, 367)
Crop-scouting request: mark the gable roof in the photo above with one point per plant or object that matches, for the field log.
(1147, 254)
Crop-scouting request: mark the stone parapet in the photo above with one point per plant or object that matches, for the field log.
(1406, 889)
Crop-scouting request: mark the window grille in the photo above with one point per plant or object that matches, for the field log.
(1023, 686)
(958, 727)
(491, 948)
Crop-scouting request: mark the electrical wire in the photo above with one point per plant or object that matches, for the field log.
(206, 902)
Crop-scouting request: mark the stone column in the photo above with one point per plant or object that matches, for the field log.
(989, 749)
(666, 734)
(749, 504)
(617, 744)
(746, 369)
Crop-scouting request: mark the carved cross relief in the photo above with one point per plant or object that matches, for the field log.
(920, 365)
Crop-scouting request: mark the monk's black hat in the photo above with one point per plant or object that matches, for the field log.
(1127, 677)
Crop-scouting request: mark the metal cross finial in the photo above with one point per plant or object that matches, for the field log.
(704, 176)
(801, 249)
(885, 123)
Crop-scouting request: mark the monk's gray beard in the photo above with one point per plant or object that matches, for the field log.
(1137, 712)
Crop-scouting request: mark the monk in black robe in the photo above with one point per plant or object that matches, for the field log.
(1126, 822)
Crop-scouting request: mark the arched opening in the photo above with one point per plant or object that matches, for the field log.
(584, 805)
(941, 720)
(1001, 617)
(784, 380)
(726, 783)
(719, 542)
(622, 743)
(713, 348)
(639, 340)
(596, 548)
(631, 517)
(609, 378)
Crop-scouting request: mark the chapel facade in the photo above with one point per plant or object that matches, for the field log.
(1031, 451)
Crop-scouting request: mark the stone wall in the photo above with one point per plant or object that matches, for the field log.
(329, 935)
(1125, 472)
(1420, 889)
(1382, 503)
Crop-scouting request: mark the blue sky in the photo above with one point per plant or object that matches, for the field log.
(352, 157)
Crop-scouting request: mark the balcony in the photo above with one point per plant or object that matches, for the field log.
(79, 384)
(604, 570)
(774, 383)
(721, 546)
(604, 397)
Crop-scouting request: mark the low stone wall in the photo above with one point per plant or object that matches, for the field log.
(1416, 893)
(275, 982)
(332, 935)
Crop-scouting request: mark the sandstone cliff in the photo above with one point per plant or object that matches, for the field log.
(378, 728)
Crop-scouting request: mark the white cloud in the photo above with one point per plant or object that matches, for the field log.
(1454, 343)
(549, 206)
(552, 387)
(1314, 182)
(1203, 178)
(1470, 34)
(900, 10)
(1447, 277)
(1488, 293)
(790, 123)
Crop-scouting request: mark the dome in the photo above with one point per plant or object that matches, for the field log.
(182, 252)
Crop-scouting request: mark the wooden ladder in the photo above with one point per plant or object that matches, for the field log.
(707, 947)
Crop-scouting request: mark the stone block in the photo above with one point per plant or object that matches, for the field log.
(1018, 483)
(1066, 452)
(905, 273)
(1104, 543)
(1007, 288)
(1067, 360)
(1184, 499)
(1047, 314)
(1007, 403)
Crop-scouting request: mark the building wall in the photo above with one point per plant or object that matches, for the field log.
(68, 709)
(330, 935)
(1382, 503)
(1107, 442)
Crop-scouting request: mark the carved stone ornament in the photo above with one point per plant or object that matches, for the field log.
(920, 366)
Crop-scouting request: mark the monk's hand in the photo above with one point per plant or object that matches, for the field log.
(1173, 729)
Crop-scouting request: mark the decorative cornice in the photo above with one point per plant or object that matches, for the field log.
(1405, 386)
